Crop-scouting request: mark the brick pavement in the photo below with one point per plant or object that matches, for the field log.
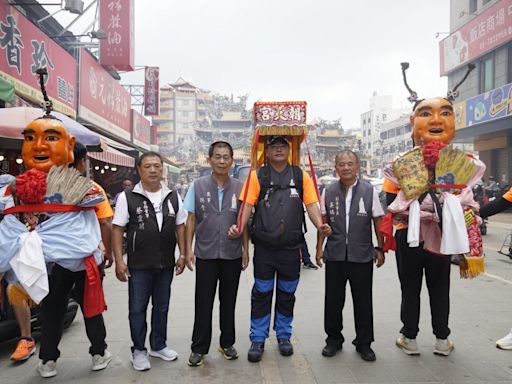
(481, 312)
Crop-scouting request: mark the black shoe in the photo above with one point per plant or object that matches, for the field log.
(285, 347)
(330, 350)
(229, 353)
(256, 352)
(366, 353)
(195, 359)
(310, 265)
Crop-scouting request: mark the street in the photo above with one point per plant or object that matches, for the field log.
(481, 313)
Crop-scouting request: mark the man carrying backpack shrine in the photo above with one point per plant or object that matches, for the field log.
(277, 191)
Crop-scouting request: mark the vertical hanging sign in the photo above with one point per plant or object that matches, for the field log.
(117, 49)
(151, 91)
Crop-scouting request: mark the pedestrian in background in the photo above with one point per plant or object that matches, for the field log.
(154, 219)
(349, 206)
(212, 204)
(127, 186)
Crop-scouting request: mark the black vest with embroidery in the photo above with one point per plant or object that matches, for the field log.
(147, 246)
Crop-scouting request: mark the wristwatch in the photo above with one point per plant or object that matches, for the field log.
(379, 249)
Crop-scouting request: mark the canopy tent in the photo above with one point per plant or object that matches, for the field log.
(6, 91)
(14, 120)
(111, 155)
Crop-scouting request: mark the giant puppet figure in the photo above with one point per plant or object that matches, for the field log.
(432, 208)
(50, 222)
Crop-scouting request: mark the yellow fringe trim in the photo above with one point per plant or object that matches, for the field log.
(470, 267)
(294, 130)
(18, 296)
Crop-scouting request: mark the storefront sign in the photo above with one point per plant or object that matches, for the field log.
(23, 50)
(482, 34)
(103, 101)
(488, 106)
(151, 91)
(116, 19)
(141, 130)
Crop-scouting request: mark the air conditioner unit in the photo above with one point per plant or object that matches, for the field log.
(74, 6)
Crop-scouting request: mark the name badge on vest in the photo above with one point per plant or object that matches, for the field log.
(234, 204)
(293, 191)
(171, 209)
(334, 208)
(362, 210)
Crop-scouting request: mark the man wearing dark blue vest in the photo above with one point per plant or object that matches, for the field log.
(278, 191)
(349, 206)
(212, 205)
(154, 220)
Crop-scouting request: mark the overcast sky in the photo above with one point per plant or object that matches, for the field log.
(332, 53)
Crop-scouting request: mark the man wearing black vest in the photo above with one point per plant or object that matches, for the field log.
(278, 191)
(349, 206)
(154, 220)
(212, 205)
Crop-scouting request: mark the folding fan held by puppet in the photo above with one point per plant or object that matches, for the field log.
(454, 168)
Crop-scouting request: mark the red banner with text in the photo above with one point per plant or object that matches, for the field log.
(116, 19)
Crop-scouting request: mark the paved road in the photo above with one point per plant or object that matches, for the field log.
(481, 312)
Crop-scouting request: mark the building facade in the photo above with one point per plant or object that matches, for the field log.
(481, 33)
(381, 111)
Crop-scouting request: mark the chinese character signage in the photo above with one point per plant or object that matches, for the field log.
(103, 101)
(151, 91)
(488, 106)
(482, 34)
(116, 19)
(23, 50)
(286, 113)
(141, 130)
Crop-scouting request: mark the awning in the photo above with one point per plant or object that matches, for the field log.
(6, 90)
(172, 169)
(113, 156)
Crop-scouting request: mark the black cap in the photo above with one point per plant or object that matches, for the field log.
(276, 139)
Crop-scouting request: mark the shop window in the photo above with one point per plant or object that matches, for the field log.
(486, 72)
(509, 63)
(472, 6)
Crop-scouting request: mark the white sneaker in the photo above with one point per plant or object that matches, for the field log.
(48, 369)
(166, 354)
(409, 346)
(100, 362)
(443, 347)
(140, 360)
(505, 342)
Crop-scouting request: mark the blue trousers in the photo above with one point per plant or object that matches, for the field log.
(269, 264)
(143, 285)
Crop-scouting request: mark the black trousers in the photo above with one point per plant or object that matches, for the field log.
(360, 277)
(208, 273)
(54, 308)
(411, 263)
